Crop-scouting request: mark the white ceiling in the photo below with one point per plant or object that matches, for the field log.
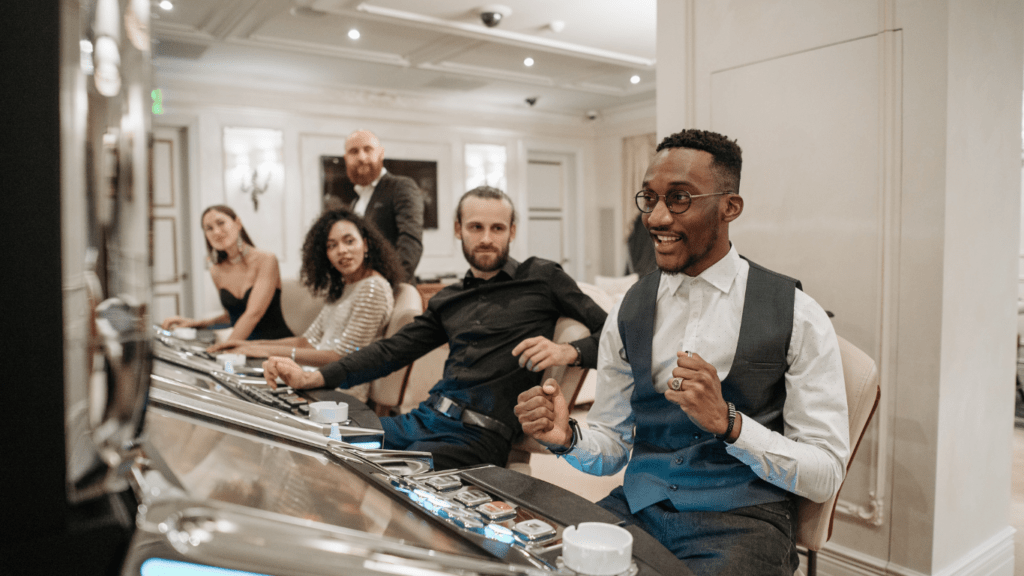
(428, 48)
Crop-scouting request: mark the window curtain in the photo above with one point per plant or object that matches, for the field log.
(637, 152)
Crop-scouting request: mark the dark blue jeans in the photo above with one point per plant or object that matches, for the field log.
(452, 443)
(754, 540)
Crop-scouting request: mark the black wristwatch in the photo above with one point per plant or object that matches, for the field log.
(579, 358)
(732, 422)
(574, 426)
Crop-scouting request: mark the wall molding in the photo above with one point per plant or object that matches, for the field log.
(874, 511)
(993, 557)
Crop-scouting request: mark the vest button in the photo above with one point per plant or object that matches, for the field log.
(673, 487)
(679, 460)
(696, 436)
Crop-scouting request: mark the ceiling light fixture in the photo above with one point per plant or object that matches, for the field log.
(556, 25)
(353, 34)
(166, 5)
(634, 79)
(473, 30)
(528, 62)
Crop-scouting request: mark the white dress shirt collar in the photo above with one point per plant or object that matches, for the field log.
(721, 274)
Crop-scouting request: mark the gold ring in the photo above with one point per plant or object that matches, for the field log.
(676, 383)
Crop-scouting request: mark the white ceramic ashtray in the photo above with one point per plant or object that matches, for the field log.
(597, 549)
(328, 412)
(185, 333)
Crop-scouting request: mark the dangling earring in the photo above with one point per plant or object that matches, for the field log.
(242, 251)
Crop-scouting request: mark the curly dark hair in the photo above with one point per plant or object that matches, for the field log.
(321, 277)
(727, 157)
(218, 256)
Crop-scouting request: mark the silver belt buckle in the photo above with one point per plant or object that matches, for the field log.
(444, 405)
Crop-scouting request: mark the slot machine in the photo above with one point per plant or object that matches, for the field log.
(136, 458)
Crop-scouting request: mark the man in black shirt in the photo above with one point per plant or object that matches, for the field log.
(498, 323)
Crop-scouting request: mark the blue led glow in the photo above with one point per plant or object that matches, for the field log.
(499, 533)
(162, 567)
(367, 445)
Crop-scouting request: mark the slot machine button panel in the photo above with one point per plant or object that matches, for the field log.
(497, 510)
(472, 497)
(445, 483)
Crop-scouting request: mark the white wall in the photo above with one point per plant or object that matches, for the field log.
(882, 167)
(314, 122)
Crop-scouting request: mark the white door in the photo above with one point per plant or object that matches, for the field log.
(171, 282)
(550, 192)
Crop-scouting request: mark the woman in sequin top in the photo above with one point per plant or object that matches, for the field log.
(345, 259)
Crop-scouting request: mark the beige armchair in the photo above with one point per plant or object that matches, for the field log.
(389, 391)
(814, 520)
(298, 306)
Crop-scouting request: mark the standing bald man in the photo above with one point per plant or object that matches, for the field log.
(394, 204)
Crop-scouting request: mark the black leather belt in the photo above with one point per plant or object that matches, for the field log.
(452, 410)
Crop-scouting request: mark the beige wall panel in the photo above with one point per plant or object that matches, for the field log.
(814, 208)
(811, 177)
(724, 34)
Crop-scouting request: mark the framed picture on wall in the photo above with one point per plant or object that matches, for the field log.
(424, 172)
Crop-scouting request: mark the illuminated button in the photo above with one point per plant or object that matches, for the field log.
(497, 511)
(443, 483)
(472, 497)
(499, 533)
(533, 530)
(465, 519)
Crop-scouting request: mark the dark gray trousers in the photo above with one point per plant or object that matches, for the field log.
(749, 541)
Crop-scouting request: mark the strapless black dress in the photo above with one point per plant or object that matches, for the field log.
(270, 327)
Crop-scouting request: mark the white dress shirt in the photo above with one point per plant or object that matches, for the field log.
(365, 192)
(702, 314)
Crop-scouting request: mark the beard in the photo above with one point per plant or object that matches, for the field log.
(696, 256)
(364, 174)
(476, 260)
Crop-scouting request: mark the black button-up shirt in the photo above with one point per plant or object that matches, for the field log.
(482, 321)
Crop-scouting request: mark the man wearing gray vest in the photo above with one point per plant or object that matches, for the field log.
(722, 377)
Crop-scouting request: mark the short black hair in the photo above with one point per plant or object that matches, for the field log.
(727, 157)
(486, 192)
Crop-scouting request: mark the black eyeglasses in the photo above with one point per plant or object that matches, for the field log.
(676, 202)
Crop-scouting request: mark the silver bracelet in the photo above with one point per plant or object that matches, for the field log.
(293, 354)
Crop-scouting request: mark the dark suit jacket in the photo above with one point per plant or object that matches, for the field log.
(396, 209)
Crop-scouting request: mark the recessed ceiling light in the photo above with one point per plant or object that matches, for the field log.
(528, 62)
(167, 5)
(353, 34)
(635, 79)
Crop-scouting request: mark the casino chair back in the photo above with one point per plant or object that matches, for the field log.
(388, 391)
(570, 379)
(298, 306)
(814, 520)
